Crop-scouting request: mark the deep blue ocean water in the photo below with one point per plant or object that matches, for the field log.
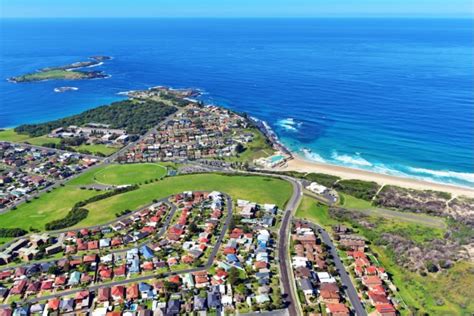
(389, 95)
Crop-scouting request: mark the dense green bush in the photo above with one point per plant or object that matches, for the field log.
(324, 179)
(72, 218)
(12, 232)
(360, 189)
(135, 117)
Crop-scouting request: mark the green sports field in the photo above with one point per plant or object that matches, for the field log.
(56, 204)
(123, 174)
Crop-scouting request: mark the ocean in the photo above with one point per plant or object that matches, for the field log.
(393, 96)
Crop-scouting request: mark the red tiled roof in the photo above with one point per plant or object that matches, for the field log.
(174, 279)
(120, 270)
(60, 280)
(54, 303)
(82, 295)
(132, 292)
(103, 294)
(337, 308)
(385, 308)
(118, 291)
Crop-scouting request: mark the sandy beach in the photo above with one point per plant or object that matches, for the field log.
(302, 165)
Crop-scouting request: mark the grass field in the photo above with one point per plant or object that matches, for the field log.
(129, 174)
(56, 204)
(122, 174)
(41, 140)
(253, 188)
(47, 207)
(9, 135)
(349, 201)
(97, 149)
(314, 211)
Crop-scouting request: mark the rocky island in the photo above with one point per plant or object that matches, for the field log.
(66, 72)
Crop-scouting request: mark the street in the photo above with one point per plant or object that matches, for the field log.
(345, 279)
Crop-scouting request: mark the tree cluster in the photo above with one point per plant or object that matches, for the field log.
(134, 116)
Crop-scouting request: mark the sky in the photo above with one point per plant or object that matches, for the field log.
(236, 8)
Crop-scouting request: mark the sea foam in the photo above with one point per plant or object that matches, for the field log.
(289, 124)
(355, 160)
(444, 175)
(312, 156)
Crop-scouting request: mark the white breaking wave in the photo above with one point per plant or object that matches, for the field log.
(289, 124)
(312, 156)
(463, 176)
(95, 65)
(356, 160)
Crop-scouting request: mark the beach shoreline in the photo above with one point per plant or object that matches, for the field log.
(300, 164)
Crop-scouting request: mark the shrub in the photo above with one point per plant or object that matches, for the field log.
(12, 232)
(360, 189)
(72, 218)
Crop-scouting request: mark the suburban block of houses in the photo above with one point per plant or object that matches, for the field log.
(196, 132)
(28, 170)
(318, 284)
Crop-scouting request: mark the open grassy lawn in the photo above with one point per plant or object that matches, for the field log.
(253, 188)
(97, 149)
(41, 140)
(47, 207)
(56, 204)
(349, 201)
(9, 135)
(314, 211)
(122, 174)
(4, 240)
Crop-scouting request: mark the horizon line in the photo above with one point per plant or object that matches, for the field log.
(250, 17)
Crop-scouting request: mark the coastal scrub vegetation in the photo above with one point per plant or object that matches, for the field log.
(321, 178)
(65, 72)
(135, 116)
(360, 189)
(427, 264)
(418, 201)
(56, 74)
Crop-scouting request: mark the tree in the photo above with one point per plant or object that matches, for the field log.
(171, 287)
(54, 270)
(193, 229)
(234, 276)
(239, 148)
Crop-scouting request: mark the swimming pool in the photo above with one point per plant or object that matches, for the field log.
(276, 158)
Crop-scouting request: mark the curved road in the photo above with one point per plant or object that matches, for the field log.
(283, 253)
